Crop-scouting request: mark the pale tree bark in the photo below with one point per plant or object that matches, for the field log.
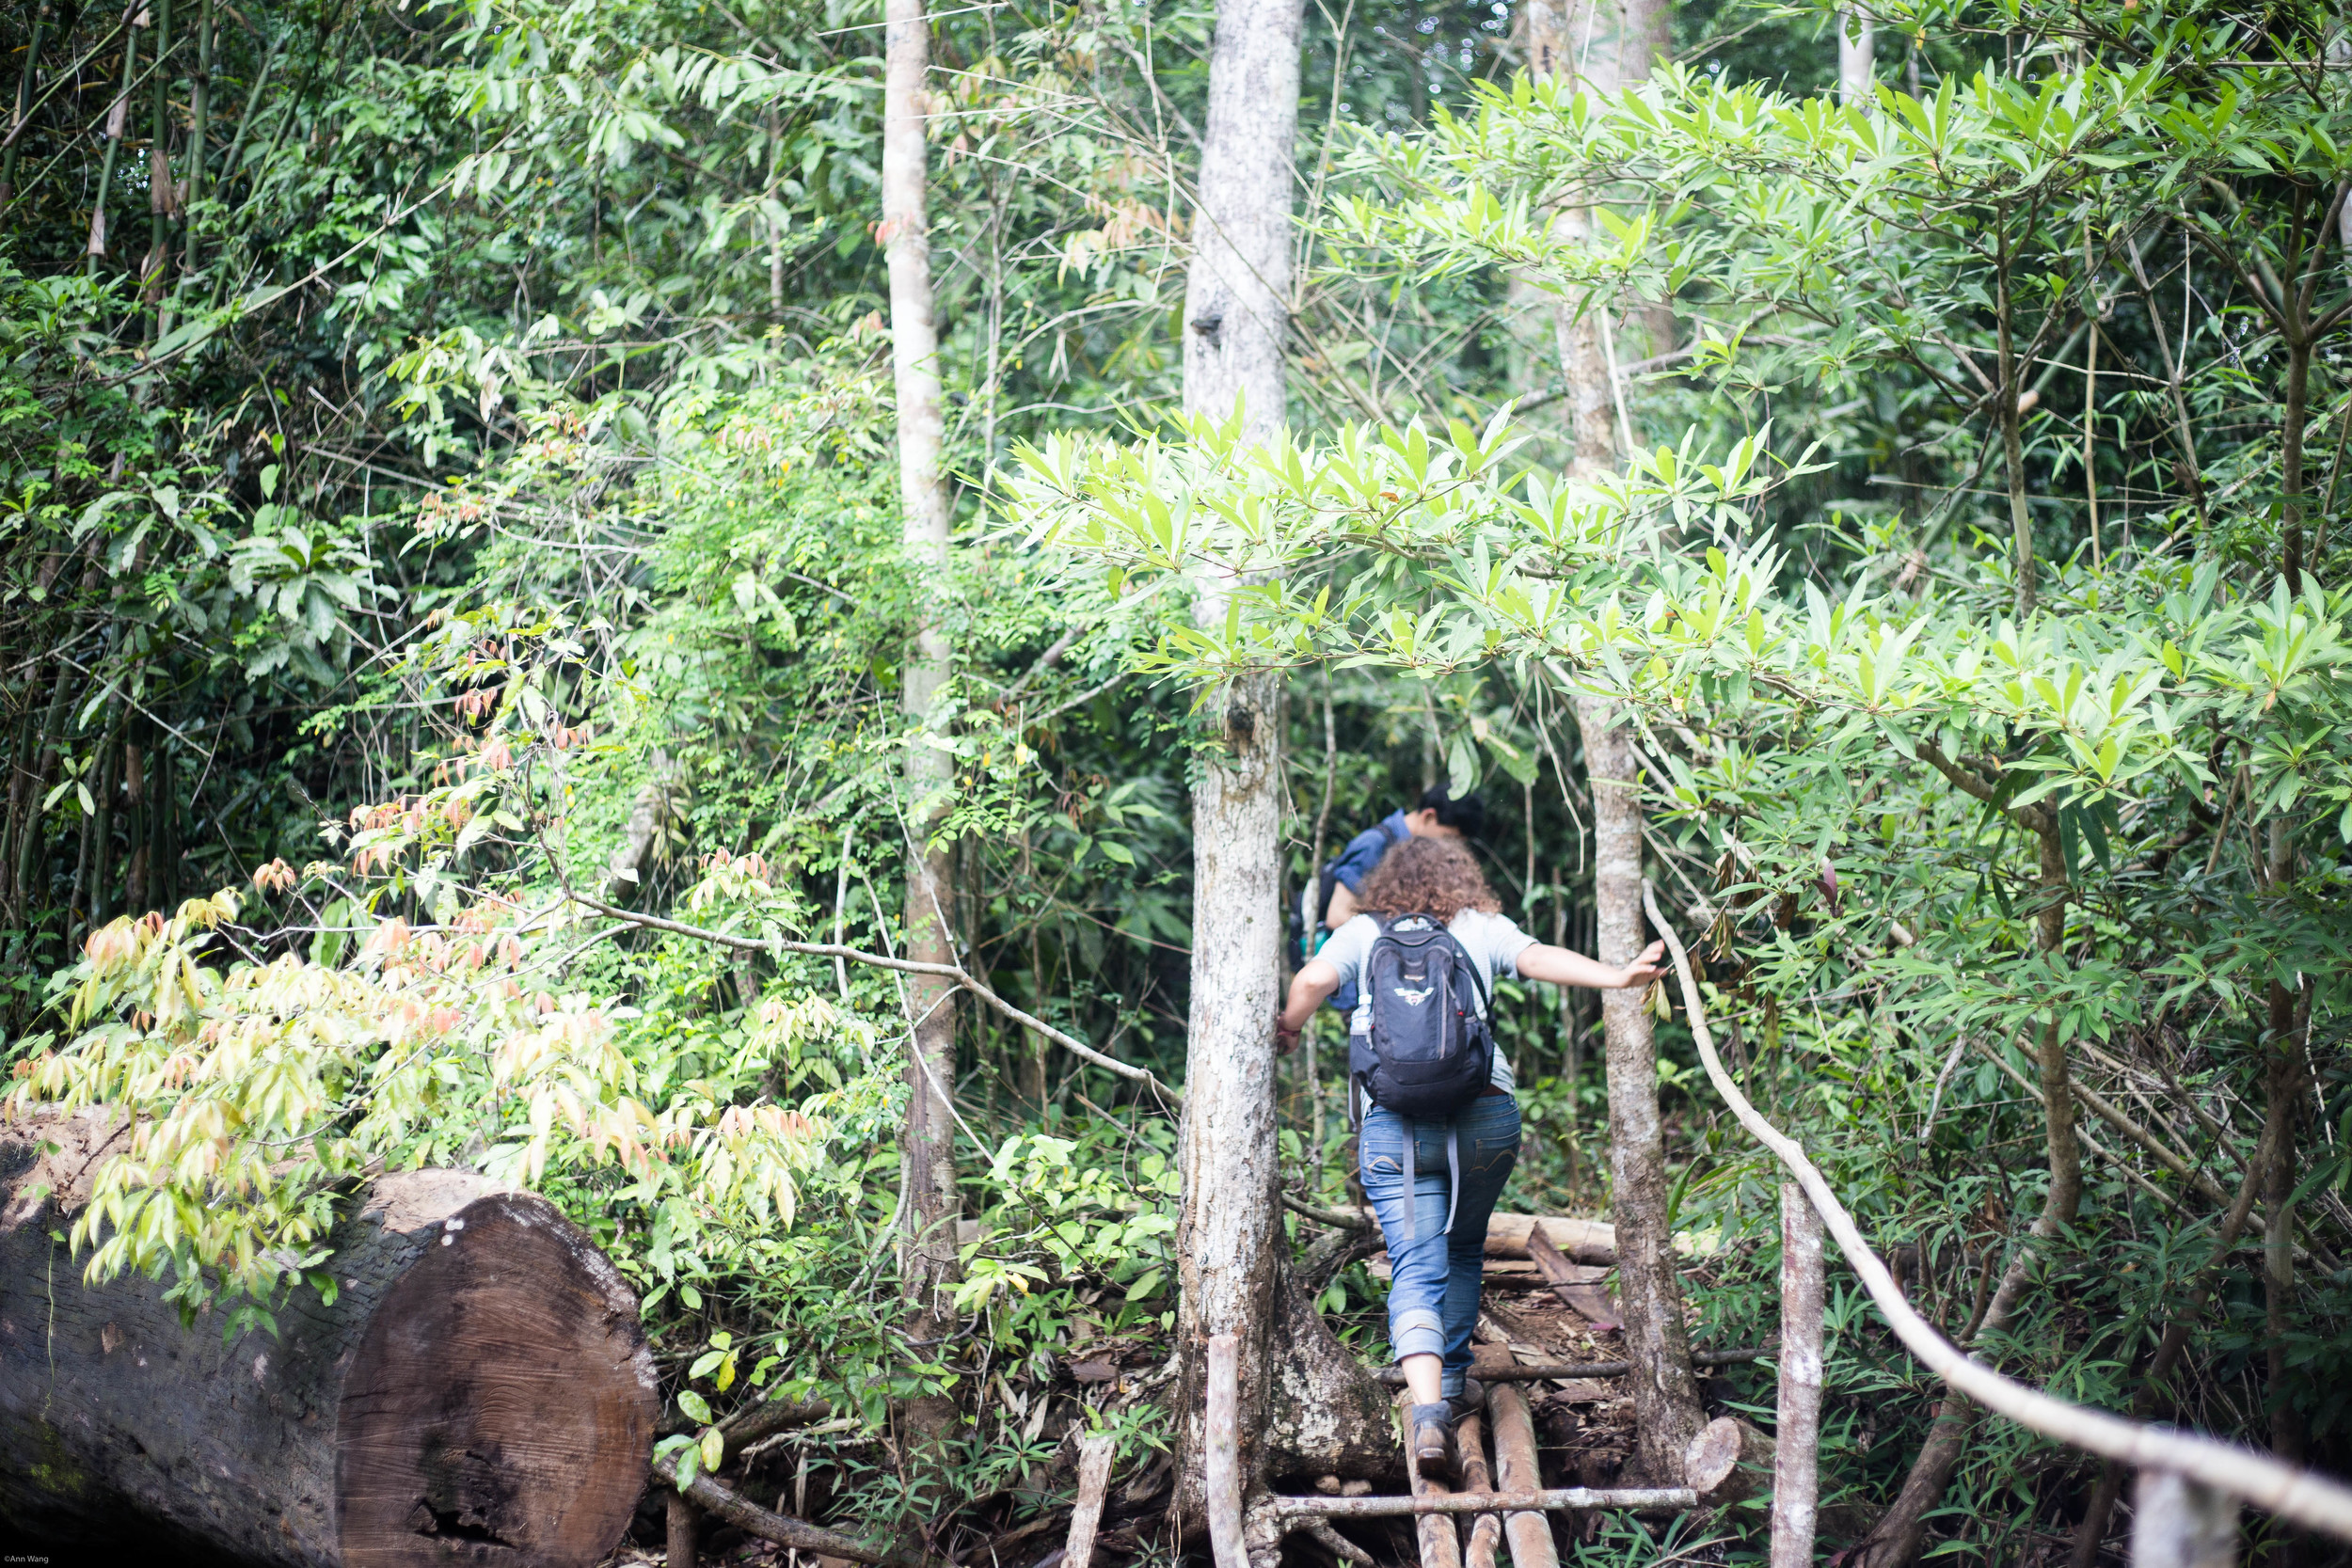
(1237, 295)
(1603, 43)
(1588, 48)
(1229, 1238)
(1857, 60)
(1228, 1233)
(1665, 1394)
(1532, 315)
(1235, 312)
(927, 1144)
(1796, 1426)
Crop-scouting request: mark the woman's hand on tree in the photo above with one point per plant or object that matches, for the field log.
(1644, 969)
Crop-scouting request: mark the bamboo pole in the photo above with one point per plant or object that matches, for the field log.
(116, 115)
(23, 106)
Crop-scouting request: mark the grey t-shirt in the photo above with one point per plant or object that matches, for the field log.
(1494, 941)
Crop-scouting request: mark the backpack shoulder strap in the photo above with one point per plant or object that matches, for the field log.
(1477, 970)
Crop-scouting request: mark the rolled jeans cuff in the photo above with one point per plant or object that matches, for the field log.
(1417, 1331)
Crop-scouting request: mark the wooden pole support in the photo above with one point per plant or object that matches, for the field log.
(682, 1520)
(1221, 1464)
(1797, 1424)
(1096, 1450)
(1516, 1470)
(2179, 1524)
(1521, 1505)
(1478, 1476)
(1440, 1544)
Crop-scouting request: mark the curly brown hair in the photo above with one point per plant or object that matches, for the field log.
(1428, 875)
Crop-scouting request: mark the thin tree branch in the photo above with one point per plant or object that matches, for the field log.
(905, 966)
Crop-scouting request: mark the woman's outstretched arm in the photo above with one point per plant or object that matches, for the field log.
(1561, 967)
(1316, 979)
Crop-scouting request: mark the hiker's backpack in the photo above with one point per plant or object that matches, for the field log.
(1425, 1052)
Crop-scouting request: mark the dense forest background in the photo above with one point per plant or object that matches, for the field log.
(449, 473)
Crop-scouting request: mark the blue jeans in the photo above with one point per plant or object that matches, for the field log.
(1435, 1274)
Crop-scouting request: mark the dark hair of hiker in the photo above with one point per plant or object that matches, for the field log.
(1428, 875)
(1467, 814)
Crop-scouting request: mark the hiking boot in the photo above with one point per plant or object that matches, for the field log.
(1436, 1455)
(1471, 1400)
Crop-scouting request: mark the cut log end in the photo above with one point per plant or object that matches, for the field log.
(478, 1391)
(499, 1400)
(1727, 1461)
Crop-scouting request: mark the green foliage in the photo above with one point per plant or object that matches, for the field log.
(493, 476)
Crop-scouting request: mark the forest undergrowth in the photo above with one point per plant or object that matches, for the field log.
(456, 622)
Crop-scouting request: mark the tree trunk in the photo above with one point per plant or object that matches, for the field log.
(1857, 61)
(2006, 402)
(27, 875)
(1237, 295)
(1603, 44)
(101, 906)
(2291, 444)
(1665, 1395)
(135, 755)
(928, 1144)
(2284, 1081)
(1236, 312)
(26, 81)
(1229, 1234)
(116, 116)
(160, 187)
(480, 1387)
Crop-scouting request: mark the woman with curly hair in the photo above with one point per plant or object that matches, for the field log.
(1436, 1269)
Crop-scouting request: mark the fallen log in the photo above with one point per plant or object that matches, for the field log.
(1578, 1241)
(1587, 1300)
(1581, 1240)
(478, 1389)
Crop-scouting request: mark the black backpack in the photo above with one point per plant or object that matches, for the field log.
(1428, 1051)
